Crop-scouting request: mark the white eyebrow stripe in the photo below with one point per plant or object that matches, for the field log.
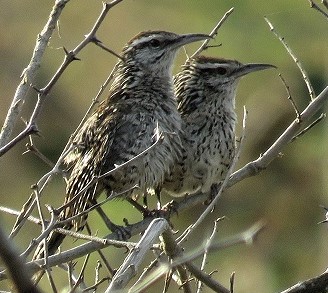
(142, 40)
(211, 65)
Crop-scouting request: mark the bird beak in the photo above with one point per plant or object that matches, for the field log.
(252, 67)
(189, 38)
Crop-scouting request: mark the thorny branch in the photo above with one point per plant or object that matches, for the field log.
(29, 73)
(316, 7)
(208, 244)
(317, 284)
(291, 54)
(250, 169)
(183, 258)
(70, 56)
(16, 267)
(213, 33)
(131, 263)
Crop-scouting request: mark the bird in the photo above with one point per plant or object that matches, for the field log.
(140, 108)
(205, 90)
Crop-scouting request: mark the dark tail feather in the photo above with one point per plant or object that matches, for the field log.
(54, 240)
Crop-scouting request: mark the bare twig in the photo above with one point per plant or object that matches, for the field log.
(206, 279)
(316, 7)
(97, 271)
(232, 281)
(256, 166)
(131, 263)
(29, 73)
(80, 278)
(103, 241)
(297, 62)
(30, 203)
(95, 286)
(18, 271)
(103, 258)
(316, 284)
(30, 147)
(207, 245)
(306, 129)
(16, 213)
(102, 46)
(213, 33)
(289, 95)
(173, 251)
(70, 56)
(326, 219)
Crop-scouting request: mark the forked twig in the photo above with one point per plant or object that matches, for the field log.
(30, 71)
(306, 129)
(70, 56)
(316, 7)
(291, 54)
(289, 95)
(207, 245)
(213, 33)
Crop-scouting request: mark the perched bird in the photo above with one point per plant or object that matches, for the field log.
(140, 106)
(205, 91)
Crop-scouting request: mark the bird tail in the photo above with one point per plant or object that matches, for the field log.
(54, 240)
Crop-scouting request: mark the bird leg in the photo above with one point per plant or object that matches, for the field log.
(122, 233)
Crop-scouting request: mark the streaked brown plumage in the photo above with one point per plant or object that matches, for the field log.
(140, 104)
(205, 91)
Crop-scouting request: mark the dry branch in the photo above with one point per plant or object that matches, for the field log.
(318, 284)
(29, 73)
(132, 262)
(213, 33)
(18, 271)
(70, 56)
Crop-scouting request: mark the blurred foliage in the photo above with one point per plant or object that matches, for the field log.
(287, 195)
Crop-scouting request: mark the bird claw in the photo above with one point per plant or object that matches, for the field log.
(213, 193)
(171, 207)
(122, 233)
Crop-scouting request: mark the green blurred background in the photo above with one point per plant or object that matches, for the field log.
(287, 195)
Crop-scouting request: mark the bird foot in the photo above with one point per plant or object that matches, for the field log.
(122, 233)
(171, 208)
(213, 193)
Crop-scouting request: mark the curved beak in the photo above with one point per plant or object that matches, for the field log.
(252, 67)
(182, 40)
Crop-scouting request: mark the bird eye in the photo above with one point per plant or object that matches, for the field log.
(155, 43)
(221, 70)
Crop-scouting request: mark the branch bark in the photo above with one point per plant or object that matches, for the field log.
(17, 269)
(318, 284)
(29, 73)
(131, 263)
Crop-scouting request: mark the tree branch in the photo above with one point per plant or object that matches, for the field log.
(70, 56)
(29, 73)
(317, 285)
(131, 263)
(17, 269)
